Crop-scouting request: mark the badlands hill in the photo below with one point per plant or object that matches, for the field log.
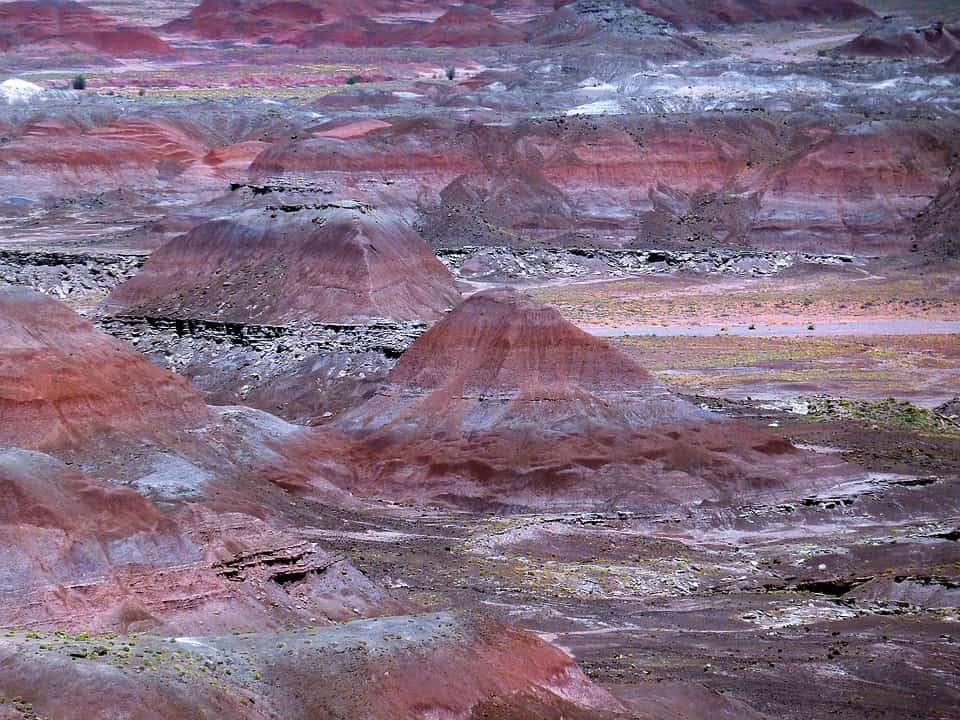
(59, 379)
(505, 405)
(52, 26)
(339, 265)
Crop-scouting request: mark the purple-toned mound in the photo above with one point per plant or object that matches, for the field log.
(69, 25)
(897, 39)
(505, 405)
(269, 268)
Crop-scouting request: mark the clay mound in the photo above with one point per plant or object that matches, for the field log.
(402, 668)
(500, 360)
(895, 39)
(591, 20)
(464, 26)
(468, 26)
(334, 266)
(60, 381)
(28, 22)
(500, 341)
(359, 31)
(506, 406)
(298, 22)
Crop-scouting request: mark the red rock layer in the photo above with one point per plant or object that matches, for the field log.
(504, 405)
(59, 381)
(62, 157)
(28, 22)
(894, 39)
(268, 267)
(307, 23)
(279, 20)
(801, 185)
(857, 190)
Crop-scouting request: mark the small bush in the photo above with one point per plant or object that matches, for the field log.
(79, 83)
(451, 73)
(353, 80)
(141, 92)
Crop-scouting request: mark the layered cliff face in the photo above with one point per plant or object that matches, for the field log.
(857, 190)
(308, 23)
(59, 381)
(791, 184)
(68, 26)
(406, 24)
(340, 265)
(380, 23)
(76, 152)
(505, 405)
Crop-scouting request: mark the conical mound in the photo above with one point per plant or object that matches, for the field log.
(501, 360)
(505, 405)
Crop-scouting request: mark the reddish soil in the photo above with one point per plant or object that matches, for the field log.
(504, 405)
(336, 266)
(803, 187)
(59, 380)
(66, 23)
(404, 668)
